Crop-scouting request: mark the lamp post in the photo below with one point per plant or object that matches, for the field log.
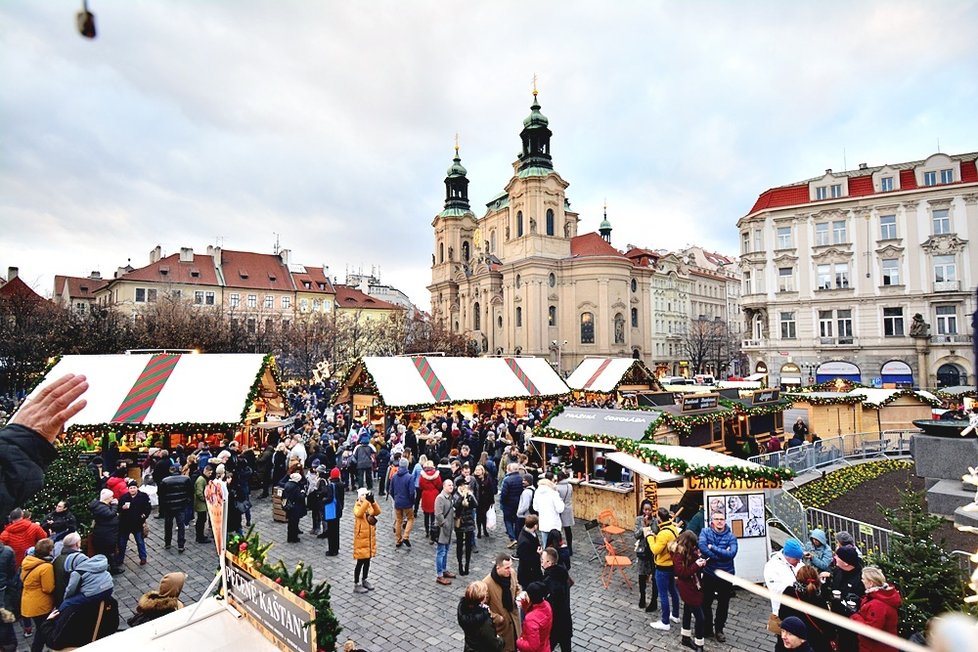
(556, 347)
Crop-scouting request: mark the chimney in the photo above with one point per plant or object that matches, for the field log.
(284, 255)
(95, 275)
(326, 271)
(210, 250)
(12, 273)
(121, 271)
(863, 166)
(828, 170)
(155, 254)
(186, 255)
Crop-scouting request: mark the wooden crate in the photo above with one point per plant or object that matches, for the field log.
(278, 514)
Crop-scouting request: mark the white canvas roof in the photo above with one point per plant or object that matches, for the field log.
(700, 456)
(632, 463)
(204, 388)
(872, 396)
(599, 374)
(408, 381)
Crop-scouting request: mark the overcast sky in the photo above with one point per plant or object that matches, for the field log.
(331, 124)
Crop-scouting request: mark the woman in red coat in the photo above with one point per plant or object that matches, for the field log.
(688, 566)
(538, 621)
(878, 608)
(429, 485)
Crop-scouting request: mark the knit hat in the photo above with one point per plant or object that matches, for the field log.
(131, 483)
(792, 548)
(537, 592)
(793, 625)
(334, 473)
(296, 477)
(848, 554)
(402, 464)
(172, 584)
(105, 493)
(844, 539)
(315, 464)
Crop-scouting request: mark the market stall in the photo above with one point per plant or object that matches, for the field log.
(381, 387)
(616, 379)
(697, 420)
(863, 409)
(759, 414)
(141, 400)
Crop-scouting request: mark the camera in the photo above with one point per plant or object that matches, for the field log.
(370, 497)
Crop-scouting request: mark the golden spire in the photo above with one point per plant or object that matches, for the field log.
(456, 143)
(535, 91)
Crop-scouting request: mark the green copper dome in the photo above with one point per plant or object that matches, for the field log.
(456, 169)
(535, 119)
(605, 224)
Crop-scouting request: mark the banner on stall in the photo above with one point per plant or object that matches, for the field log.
(744, 513)
(650, 492)
(281, 616)
(216, 497)
(709, 484)
(695, 402)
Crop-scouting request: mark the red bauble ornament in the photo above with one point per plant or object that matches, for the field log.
(302, 594)
(243, 547)
(278, 580)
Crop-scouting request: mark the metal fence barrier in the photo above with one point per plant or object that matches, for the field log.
(869, 538)
(843, 449)
(789, 511)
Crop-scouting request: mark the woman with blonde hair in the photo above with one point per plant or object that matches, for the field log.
(476, 621)
(877, 608)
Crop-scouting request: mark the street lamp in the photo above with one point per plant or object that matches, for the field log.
(557, 346)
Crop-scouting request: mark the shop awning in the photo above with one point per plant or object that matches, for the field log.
(606, 374)
(756, 377)
(569, 442)
(636, 465)
(791, 380)
(628, 424)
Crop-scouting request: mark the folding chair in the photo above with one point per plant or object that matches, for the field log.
(611, 562)
(610, 529)
(593, 529)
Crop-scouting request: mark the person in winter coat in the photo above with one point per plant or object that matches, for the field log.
(8, 637)
(548, 506)
(718, 546)
(200, 503)
(429, 486)
(794, 635)
(503, 608)
(558, 583)
(60, 522)
(161, 602)
(117, 483)
(89, 580)
(363, 460)
(808, 588)
(476, 621)
(780, 571)
(37, 578)
(800, 429)
(333, 512)
(8, 575)
(441, 530)
(646, 525)
(486, 499)
(509, 500)
(264, 466)
(294, 504)
(402, 491)
(526, 501)
(846, 578)
(21, 534)
(537, 622)
(528, 553)
(365, 513)
(688, 566)
(664, 578)
(134, 509)
(104, 537)
(280, 461)
(465, 503)
(566, 492)
(315, 495)
(817, 552)
(877, 608)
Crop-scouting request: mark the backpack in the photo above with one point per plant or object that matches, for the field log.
(363, 455)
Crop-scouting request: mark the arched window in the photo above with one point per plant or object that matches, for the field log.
(519, 281)
(476, 317)
(465, 251)
(519, 223)
(636, 354)
(634, 317)
(552, 316)
(550, 221)
(619, 328)
(552, 279)
(441, 252)
(587, 328)
(948, 375)
(519, 317)
(634, 285)
(492, 241)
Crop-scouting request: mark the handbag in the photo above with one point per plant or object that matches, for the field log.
(145, 529)
(774, 624)
(371, 519)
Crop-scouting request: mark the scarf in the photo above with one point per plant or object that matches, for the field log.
(504, 583)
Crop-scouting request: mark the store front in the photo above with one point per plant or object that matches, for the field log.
(896, 374)
(828, 371)
(790, 376)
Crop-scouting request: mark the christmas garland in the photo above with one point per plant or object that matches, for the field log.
(852, 399)
(44, 374)
(835, 385)
(932, 402)
(969, 392)
(253, 554)
(755, 410)
(840, 399)
(183, 428)
(673, 464)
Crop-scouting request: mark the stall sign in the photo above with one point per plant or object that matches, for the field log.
(650, 492)
(694, 402)
(765, 396)
(710, 484)
(273, 610)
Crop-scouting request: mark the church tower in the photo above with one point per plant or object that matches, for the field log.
(605, 227)
(536, 140)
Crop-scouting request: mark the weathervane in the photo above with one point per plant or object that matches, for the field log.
(535, 91)
(456, 143)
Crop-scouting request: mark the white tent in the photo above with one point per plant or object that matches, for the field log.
(193, 388)
(422, 380)
(604, 374)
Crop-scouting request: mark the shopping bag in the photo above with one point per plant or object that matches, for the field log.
(491, 519)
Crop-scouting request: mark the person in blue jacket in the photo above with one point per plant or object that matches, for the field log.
(333, 512)
(509, 500)
(817, 551)
(719, 546)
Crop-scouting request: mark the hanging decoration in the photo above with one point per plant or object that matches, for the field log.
(755, 410)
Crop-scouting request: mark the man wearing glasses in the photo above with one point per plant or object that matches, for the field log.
(719, 546)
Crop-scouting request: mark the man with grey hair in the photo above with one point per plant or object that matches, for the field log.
(70, 545)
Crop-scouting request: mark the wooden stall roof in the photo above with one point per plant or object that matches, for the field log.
(192, 388)
(419, 382)
(606, 375)
(869, 397)
(957, 392)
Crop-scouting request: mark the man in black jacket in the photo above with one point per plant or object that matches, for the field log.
(27, 443)
(528, 553)
(558, 584)
(176, 494)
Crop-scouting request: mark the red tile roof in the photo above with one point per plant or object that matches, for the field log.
(78, 287)
(17, 289)
(347, 297)
(908, 180)
(592, 244)
(171, 270)
(317, 279)
(783, 196)
(969, 173)
(861, 186)
(246, 269)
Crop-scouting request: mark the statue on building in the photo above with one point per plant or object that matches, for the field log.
(918, 327)
(533, 225)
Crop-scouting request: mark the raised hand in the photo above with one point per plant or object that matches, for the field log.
(47, 413)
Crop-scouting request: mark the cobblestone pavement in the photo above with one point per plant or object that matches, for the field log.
(408, 611)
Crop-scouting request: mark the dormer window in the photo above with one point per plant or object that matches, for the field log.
(164, 271)
(836, 190)
(307, 285)
(243, 273)
(886, 184)
(195, 273)
(271, 277)
(821, 193)
(322, 286)
(947, 176)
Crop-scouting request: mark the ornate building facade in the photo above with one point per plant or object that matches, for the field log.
(520, 280)
(866, 274)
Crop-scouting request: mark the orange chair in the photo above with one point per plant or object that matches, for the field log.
(612, 560)
(609, 523)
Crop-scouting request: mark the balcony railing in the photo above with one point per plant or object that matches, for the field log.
(953, 338)
(751, 344)
(947, 286)
(848, 341)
